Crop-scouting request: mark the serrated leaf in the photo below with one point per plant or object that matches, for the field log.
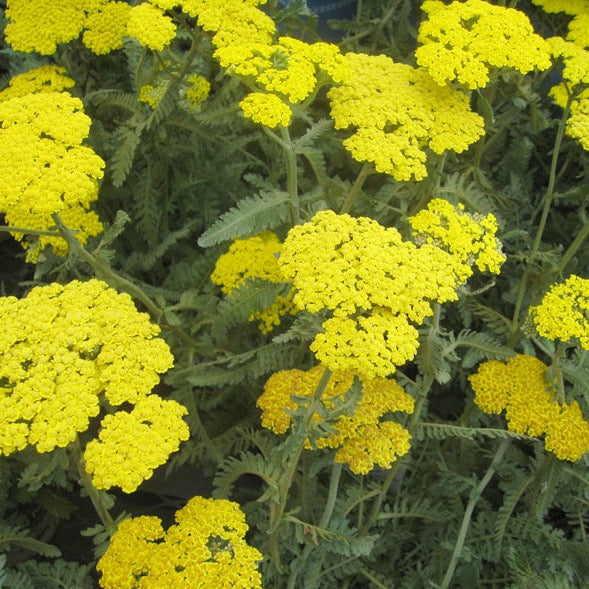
(251, 215)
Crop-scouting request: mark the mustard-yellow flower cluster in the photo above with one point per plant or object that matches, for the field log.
(463, 40)
(376, 285)
(63, 349)
(204, 549)
(362, 438)
(255, 257)
(520, 388)
(563, 312)
(469, 238)
(397, 111)
(572, 7)
(41, 25)
(44, 166)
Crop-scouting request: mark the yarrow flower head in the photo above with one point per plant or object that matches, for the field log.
(470, 238)
(40, 25)
(198, 91)
(463, 40)
(130, 445)
(575, 74)
(563, 312)
(362, 438)
(204, 548)
(397, 111)
(375, 284)
(572, 7)
(44, 167)
(266, 109)
(106, 28)
(66, 349)
(521, 389)
(150, 26)
(255, 257)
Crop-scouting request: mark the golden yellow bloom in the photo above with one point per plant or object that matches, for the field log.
(463, 40)
(397, 111)
(130, 445)
(150, 26)
(266, 109)
(152, 95)
(61, 349)
(375, 284)
(234, 23)
(44, 168)
(470, 238)
(106, 28)
(47, 78)
(362, 439)
(198, 91)
(520, 387)
(563, 312)
(204, 549)
(40, 25)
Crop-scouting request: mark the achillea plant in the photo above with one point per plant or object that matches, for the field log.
(338, 284)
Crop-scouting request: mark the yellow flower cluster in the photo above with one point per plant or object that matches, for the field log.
(152, 94)
(575, 73)
(204, 549)
(563, 312)
(398, 111)
(62, 348)
(463, 40)
(44, 168)
(520, 387)
(132, 444)
(106, 28)
(284, 73)
(266, 109)
(362, 439)
(469, 238)
(40, 25)
(150, 26)
(198, 91)
(255, 257)
(375, 284)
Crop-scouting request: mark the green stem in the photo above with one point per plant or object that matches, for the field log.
(572, 249)
(93, 493)
(548, 197)
(277, 509)
(10, 229)
(336, 472)
(468, 513)
(292, 186)
(366, 170)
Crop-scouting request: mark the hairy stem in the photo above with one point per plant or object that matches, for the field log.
(354, 192)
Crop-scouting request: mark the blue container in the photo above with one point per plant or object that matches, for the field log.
(326, 10)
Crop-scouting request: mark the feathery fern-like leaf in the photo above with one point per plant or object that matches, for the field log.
(251, 215)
